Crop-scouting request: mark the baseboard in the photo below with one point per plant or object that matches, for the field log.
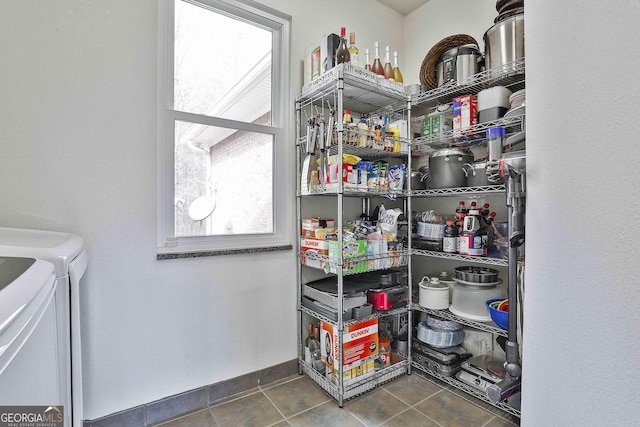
(189, 401)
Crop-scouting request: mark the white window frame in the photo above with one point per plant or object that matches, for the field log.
(280, 26)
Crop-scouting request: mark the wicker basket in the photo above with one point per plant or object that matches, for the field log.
(428, 69)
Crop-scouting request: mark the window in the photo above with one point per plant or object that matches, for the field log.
(223, 126)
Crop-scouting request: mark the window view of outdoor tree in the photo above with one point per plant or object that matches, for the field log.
(223, 180)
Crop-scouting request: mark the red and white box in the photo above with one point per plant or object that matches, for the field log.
(360, 341)
(315, 246)
(309, 225)
(465, 114)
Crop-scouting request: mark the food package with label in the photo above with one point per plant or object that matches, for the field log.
(360, 342)
(315, 248)
(311, 226)
(354, 256)
(465, 115)
(353, 374)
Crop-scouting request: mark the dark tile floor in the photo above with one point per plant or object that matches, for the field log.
(411, 400)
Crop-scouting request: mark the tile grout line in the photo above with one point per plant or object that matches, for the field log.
(356, 417)
(215, 420)
(425, 399)
(307, 410)
(239, 396)
(407, 403)
(277, 409)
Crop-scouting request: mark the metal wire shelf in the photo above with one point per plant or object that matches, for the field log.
(363, 91)
(398, 258)
(501, 262)
(353, 390)
(446, 314)
(376, 314)
(468, 389)
(474, 135)
(511, 75)
(439, 192)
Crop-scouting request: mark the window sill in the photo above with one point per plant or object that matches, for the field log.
(218, 252)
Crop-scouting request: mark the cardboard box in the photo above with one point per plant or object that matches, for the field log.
(360, 341)
(311, 244)
(310, 225)
(351, 375)
(354, 256)
(465, 114)
(328, 47)
(311, 63)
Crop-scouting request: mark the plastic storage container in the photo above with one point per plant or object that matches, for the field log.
(469, 301)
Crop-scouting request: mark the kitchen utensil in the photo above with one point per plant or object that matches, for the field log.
(476, 174)
(438, 339)
(309, 161)
(500, 318)
(325, 143)
(446, 168)
(504, 42)
(418, 180)
(481, 372)
(469, 301)
(443, 325)
(430, 358)
(433, 294)
(493, 103)
(428, 76)
(476, 274)
(458, 63)
(517, 98)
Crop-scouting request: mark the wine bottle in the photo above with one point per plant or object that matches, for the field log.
(342, 54)
(314, 348)
(397, 75)
(377, 64)
(367, 64)
(353, 50)
(307, 352)
(387, 68)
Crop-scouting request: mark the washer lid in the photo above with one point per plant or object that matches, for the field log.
(56, 247)
(12, 268)
(21, 281)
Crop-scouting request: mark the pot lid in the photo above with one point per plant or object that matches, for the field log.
(450, 152)
(467, 49)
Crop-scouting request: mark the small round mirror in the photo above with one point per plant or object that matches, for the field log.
(201, 208)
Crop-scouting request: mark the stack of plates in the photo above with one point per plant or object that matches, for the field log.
(439, 338)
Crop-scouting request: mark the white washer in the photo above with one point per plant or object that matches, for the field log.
(66, 252)
(30, 339)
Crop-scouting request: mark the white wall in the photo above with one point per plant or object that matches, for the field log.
(582, 306)
(372, 22)
(78, 141)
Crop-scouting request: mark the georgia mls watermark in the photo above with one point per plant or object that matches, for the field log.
(31, 416)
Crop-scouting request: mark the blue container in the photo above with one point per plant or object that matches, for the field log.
(501, 318)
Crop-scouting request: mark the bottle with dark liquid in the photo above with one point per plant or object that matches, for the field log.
(342, 54)
(377, 64)
(387, 68)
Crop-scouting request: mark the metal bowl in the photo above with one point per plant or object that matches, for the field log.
(477, 274)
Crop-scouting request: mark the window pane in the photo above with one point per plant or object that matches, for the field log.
(222, 66)
(226, 176)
